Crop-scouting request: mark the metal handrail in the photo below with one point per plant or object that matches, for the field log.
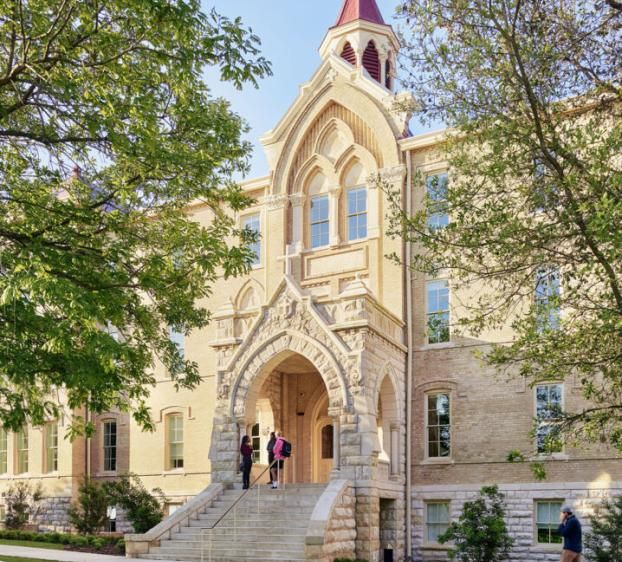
(242, 496)
(229, 509)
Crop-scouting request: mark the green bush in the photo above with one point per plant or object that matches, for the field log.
(88, 515)
(63, 538)
(141, 508)
(480, 535)
(604, 542)
(121, 546)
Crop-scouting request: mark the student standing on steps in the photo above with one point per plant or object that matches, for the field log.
(246, 450)
(270, 449)
(277, 469)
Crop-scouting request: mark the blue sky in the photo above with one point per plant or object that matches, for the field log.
(291, 32)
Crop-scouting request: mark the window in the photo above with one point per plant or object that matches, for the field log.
(178, 338)
(436, 190)
(21, 446)
(253, 223)
(436, 520)
(256, 443)
(438, 311)
(110, 446)
(357, 213)
(545, 192)
(175, 441)
(51, 447)
(4, 467)
(319, 221)
(438, 425)
(547, 291)
(548, 410)
(547, 521)
(327, 441)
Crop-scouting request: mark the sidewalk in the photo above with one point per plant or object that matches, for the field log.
(61, 555)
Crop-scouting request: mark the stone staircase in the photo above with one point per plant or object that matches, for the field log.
(265, 526)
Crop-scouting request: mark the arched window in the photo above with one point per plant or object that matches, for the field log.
(327, 442)
(371, 61)
(175, 441)
(348, 54)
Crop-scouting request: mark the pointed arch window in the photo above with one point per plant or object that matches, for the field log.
(371, 61)
(348, 54)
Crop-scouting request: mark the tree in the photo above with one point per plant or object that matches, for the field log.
(480, 535)
(89, 513)
(142, 509)
(107, 134)
(604, 542)
(22, 504)
(535, 191)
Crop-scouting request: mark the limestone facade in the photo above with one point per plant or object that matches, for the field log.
(313, 342)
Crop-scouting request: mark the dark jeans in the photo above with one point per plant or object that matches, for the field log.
(247, 464)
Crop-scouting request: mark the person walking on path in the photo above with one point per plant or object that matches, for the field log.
(246, 450)
(570, 529)
(277, 469)
(270, 449)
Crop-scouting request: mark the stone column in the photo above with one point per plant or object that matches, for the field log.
(367, 524)
(395, 449)
(297, 200)
(333, 214)
(224, 451)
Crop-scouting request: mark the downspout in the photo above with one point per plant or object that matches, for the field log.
(409, 365)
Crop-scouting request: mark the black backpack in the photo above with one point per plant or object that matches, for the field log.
(286, 449)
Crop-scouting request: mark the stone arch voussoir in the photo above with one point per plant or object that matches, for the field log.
(266, 355)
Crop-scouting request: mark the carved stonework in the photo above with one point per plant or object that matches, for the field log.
(276, 202)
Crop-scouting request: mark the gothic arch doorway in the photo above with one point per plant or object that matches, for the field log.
(292, 398)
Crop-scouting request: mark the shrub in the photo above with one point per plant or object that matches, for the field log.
(480, 535)
(604, 542)
(121, 546)
(22, 504)
(142, 509)
(88, 515)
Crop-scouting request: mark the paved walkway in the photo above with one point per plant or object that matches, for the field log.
(61, 555)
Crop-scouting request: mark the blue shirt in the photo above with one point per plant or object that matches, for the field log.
(571, 531)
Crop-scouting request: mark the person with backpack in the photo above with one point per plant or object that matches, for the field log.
(282, 450)
(270, 449)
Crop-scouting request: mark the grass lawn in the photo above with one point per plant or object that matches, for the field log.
(13, 559)
(32, 544)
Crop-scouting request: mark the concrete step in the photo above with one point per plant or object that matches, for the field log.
(220, 558)
(283, 537)
(234, 551)
(267, 523)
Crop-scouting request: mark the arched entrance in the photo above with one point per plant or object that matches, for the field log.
(292, 398)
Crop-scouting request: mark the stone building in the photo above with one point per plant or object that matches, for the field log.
(327, 340)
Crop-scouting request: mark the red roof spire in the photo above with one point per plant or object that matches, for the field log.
(359, 10)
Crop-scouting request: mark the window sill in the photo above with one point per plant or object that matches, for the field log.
(435, 546)
(106, 473)
(439, 345)
(438, 460)
(541, 457)
(174, 472)
(546, 546)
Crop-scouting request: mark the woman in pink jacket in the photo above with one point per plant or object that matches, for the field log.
(279, 460)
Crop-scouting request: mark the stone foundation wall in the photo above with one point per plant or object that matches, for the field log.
(53, 516)
(521, 514)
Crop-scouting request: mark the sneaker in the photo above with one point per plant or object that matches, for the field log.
(274, 486)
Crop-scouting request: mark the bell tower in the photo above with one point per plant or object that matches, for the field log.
(362, 38)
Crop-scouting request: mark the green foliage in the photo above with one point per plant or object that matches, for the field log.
(141, 508)
(89, 281)
(88, 514)
(480, 535)
(22, 504)
(535, 185)
(604, 542)
(97, 542)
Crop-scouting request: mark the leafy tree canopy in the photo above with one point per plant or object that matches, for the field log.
(532, 95)
(107, 133)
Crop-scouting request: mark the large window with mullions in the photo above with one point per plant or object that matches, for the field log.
(320, 223)
(357, 213)
(438, 425)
